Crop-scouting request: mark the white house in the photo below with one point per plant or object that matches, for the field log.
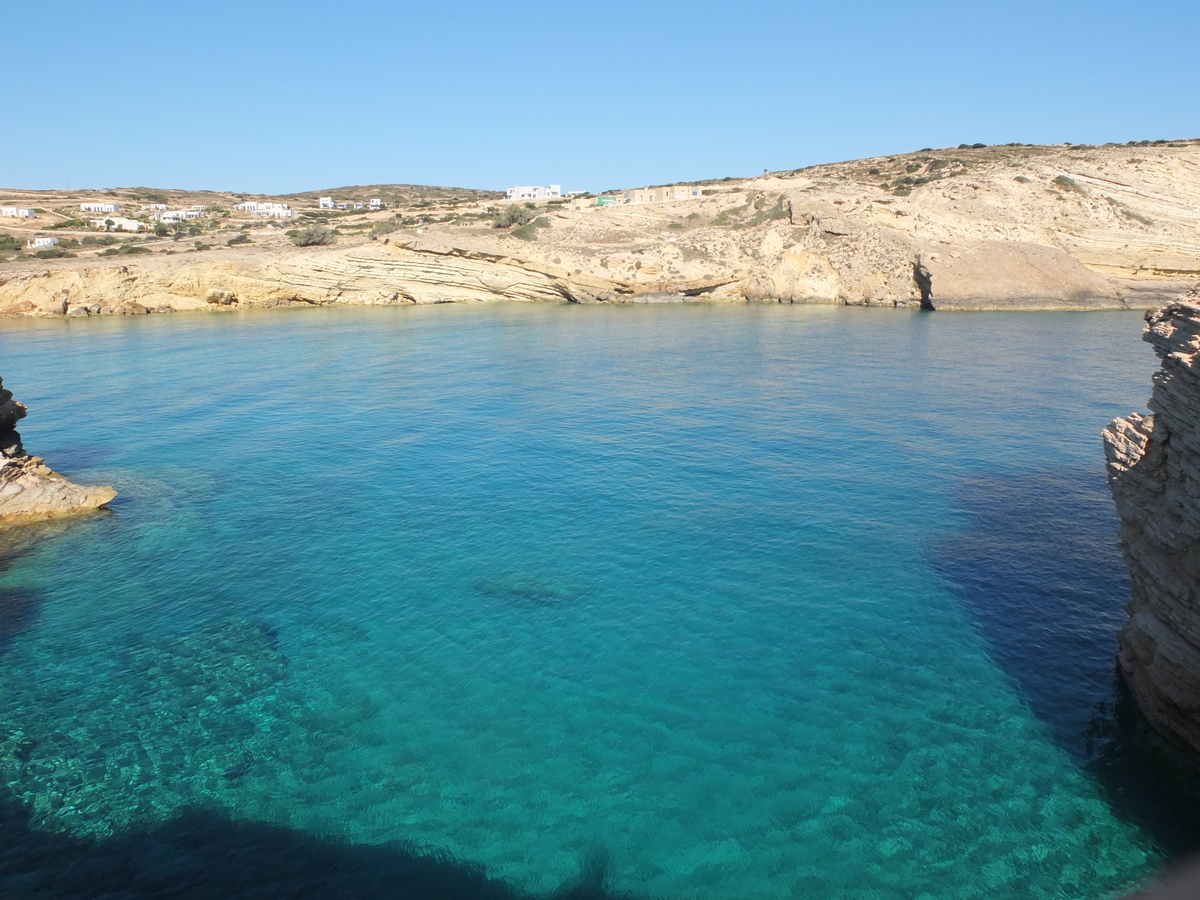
(342, 205)
(375, 203)
(98, 207)
(157, 206)
(326, 203)
(178, 215)
(119, 223)
(358, 204)
(256, 205)
(527, 192)
(17, 212)
(37, 243)
(200, 207)
(273, 212)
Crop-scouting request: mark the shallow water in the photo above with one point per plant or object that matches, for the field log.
(687, 601)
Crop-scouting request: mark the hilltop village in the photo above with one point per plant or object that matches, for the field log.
(1014, 226)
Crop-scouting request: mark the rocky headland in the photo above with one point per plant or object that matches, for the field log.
(1154, 475)
(29, 489)
(1011, 227)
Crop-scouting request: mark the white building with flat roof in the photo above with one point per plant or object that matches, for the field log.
(255, 205)
(375, 203)
(37, 243)
(273, 213)
(17, 212)
(98, 207)
(530, 192)
(158, 206)
(178, 215)
(118, 223)
(326, 203)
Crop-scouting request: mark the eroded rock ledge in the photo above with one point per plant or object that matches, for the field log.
(29, 489)
(1154, 475)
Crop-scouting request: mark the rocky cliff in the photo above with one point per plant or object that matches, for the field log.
(983, 228)
(1154, 474)
(29, 490)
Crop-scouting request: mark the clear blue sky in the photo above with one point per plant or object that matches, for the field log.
(268, 96)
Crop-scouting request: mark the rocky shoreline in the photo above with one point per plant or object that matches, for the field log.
(1013, 227)
(1153, 466)
(29, 489)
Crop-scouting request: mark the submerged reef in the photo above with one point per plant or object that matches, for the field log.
(29, 489)
(1154, 475)
(166, 724)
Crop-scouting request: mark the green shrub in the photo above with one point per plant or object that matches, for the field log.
(8, 242)
(125, 250)
(528, 231)
(675, 225)
(52, 253)
(1067, 184)
(242, 238)
(510, 216)
(313, 236)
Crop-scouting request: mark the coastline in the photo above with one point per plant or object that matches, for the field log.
(1014, 227)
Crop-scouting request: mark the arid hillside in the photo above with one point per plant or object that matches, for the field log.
(969, 228)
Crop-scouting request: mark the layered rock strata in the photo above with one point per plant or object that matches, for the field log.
(29, 489)
(1010, 227)
(1154, 475)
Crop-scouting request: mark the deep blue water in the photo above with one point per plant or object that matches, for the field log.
(686, 601)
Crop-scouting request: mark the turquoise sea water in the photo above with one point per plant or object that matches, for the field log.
(686, 601)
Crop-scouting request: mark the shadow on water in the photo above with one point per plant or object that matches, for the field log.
(205, 854)
(19, 609)
(20, 606)
(1038, 567)
(77, 458)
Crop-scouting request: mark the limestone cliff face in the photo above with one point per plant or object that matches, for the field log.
(1154, 475)
(29, 490)
(992, 228)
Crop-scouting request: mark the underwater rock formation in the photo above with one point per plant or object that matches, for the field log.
(189, 717)
(29, 489)
(1154, 475)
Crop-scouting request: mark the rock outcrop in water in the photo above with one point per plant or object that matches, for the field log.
(29, 489)
(1154, 475)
